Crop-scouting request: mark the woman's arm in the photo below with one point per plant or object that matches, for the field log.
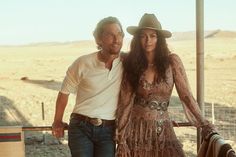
(190, 105)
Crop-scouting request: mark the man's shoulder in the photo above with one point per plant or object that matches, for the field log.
(84, 60)
(87, 57)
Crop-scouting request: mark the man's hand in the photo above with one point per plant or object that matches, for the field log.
(58, 126)
(58, 129)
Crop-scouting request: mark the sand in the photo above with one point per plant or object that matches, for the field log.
(31, 75)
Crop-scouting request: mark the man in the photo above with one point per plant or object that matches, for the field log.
(96, 79)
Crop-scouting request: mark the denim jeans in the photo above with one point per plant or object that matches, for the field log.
(87, 140)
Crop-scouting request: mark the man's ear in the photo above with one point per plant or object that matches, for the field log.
(98, 41)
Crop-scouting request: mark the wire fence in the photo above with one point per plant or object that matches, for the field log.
(224, 118)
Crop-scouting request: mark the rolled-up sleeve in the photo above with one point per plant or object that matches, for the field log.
(72, 78)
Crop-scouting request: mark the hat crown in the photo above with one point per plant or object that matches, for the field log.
(149, 21)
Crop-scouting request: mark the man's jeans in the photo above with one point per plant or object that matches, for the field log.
(87, 140)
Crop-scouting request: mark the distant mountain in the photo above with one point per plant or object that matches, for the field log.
(191, 35)
(221, 34)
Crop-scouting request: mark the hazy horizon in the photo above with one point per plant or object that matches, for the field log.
(186, 35)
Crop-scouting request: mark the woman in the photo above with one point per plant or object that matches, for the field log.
(144, 128)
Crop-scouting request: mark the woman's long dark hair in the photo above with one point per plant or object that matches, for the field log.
(136, 61)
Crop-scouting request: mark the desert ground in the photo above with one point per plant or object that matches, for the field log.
(31, 75)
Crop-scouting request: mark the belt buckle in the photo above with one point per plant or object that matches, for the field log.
(96, 121)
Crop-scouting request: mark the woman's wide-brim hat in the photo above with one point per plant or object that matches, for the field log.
(149, 21)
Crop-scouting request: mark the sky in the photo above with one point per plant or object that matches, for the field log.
(33, 21)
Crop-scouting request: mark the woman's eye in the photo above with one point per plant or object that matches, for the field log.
(153, 36)
(142, 36)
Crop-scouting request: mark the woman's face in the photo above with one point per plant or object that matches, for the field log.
(148, 39)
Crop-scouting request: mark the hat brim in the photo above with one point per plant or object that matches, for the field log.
(133, 29)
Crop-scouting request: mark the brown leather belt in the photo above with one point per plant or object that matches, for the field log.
(94, 121)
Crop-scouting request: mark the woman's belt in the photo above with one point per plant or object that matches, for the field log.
(153, 104)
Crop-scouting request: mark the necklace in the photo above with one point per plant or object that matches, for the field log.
(150, 64)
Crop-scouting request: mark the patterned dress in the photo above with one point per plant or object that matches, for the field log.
(144, 128)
